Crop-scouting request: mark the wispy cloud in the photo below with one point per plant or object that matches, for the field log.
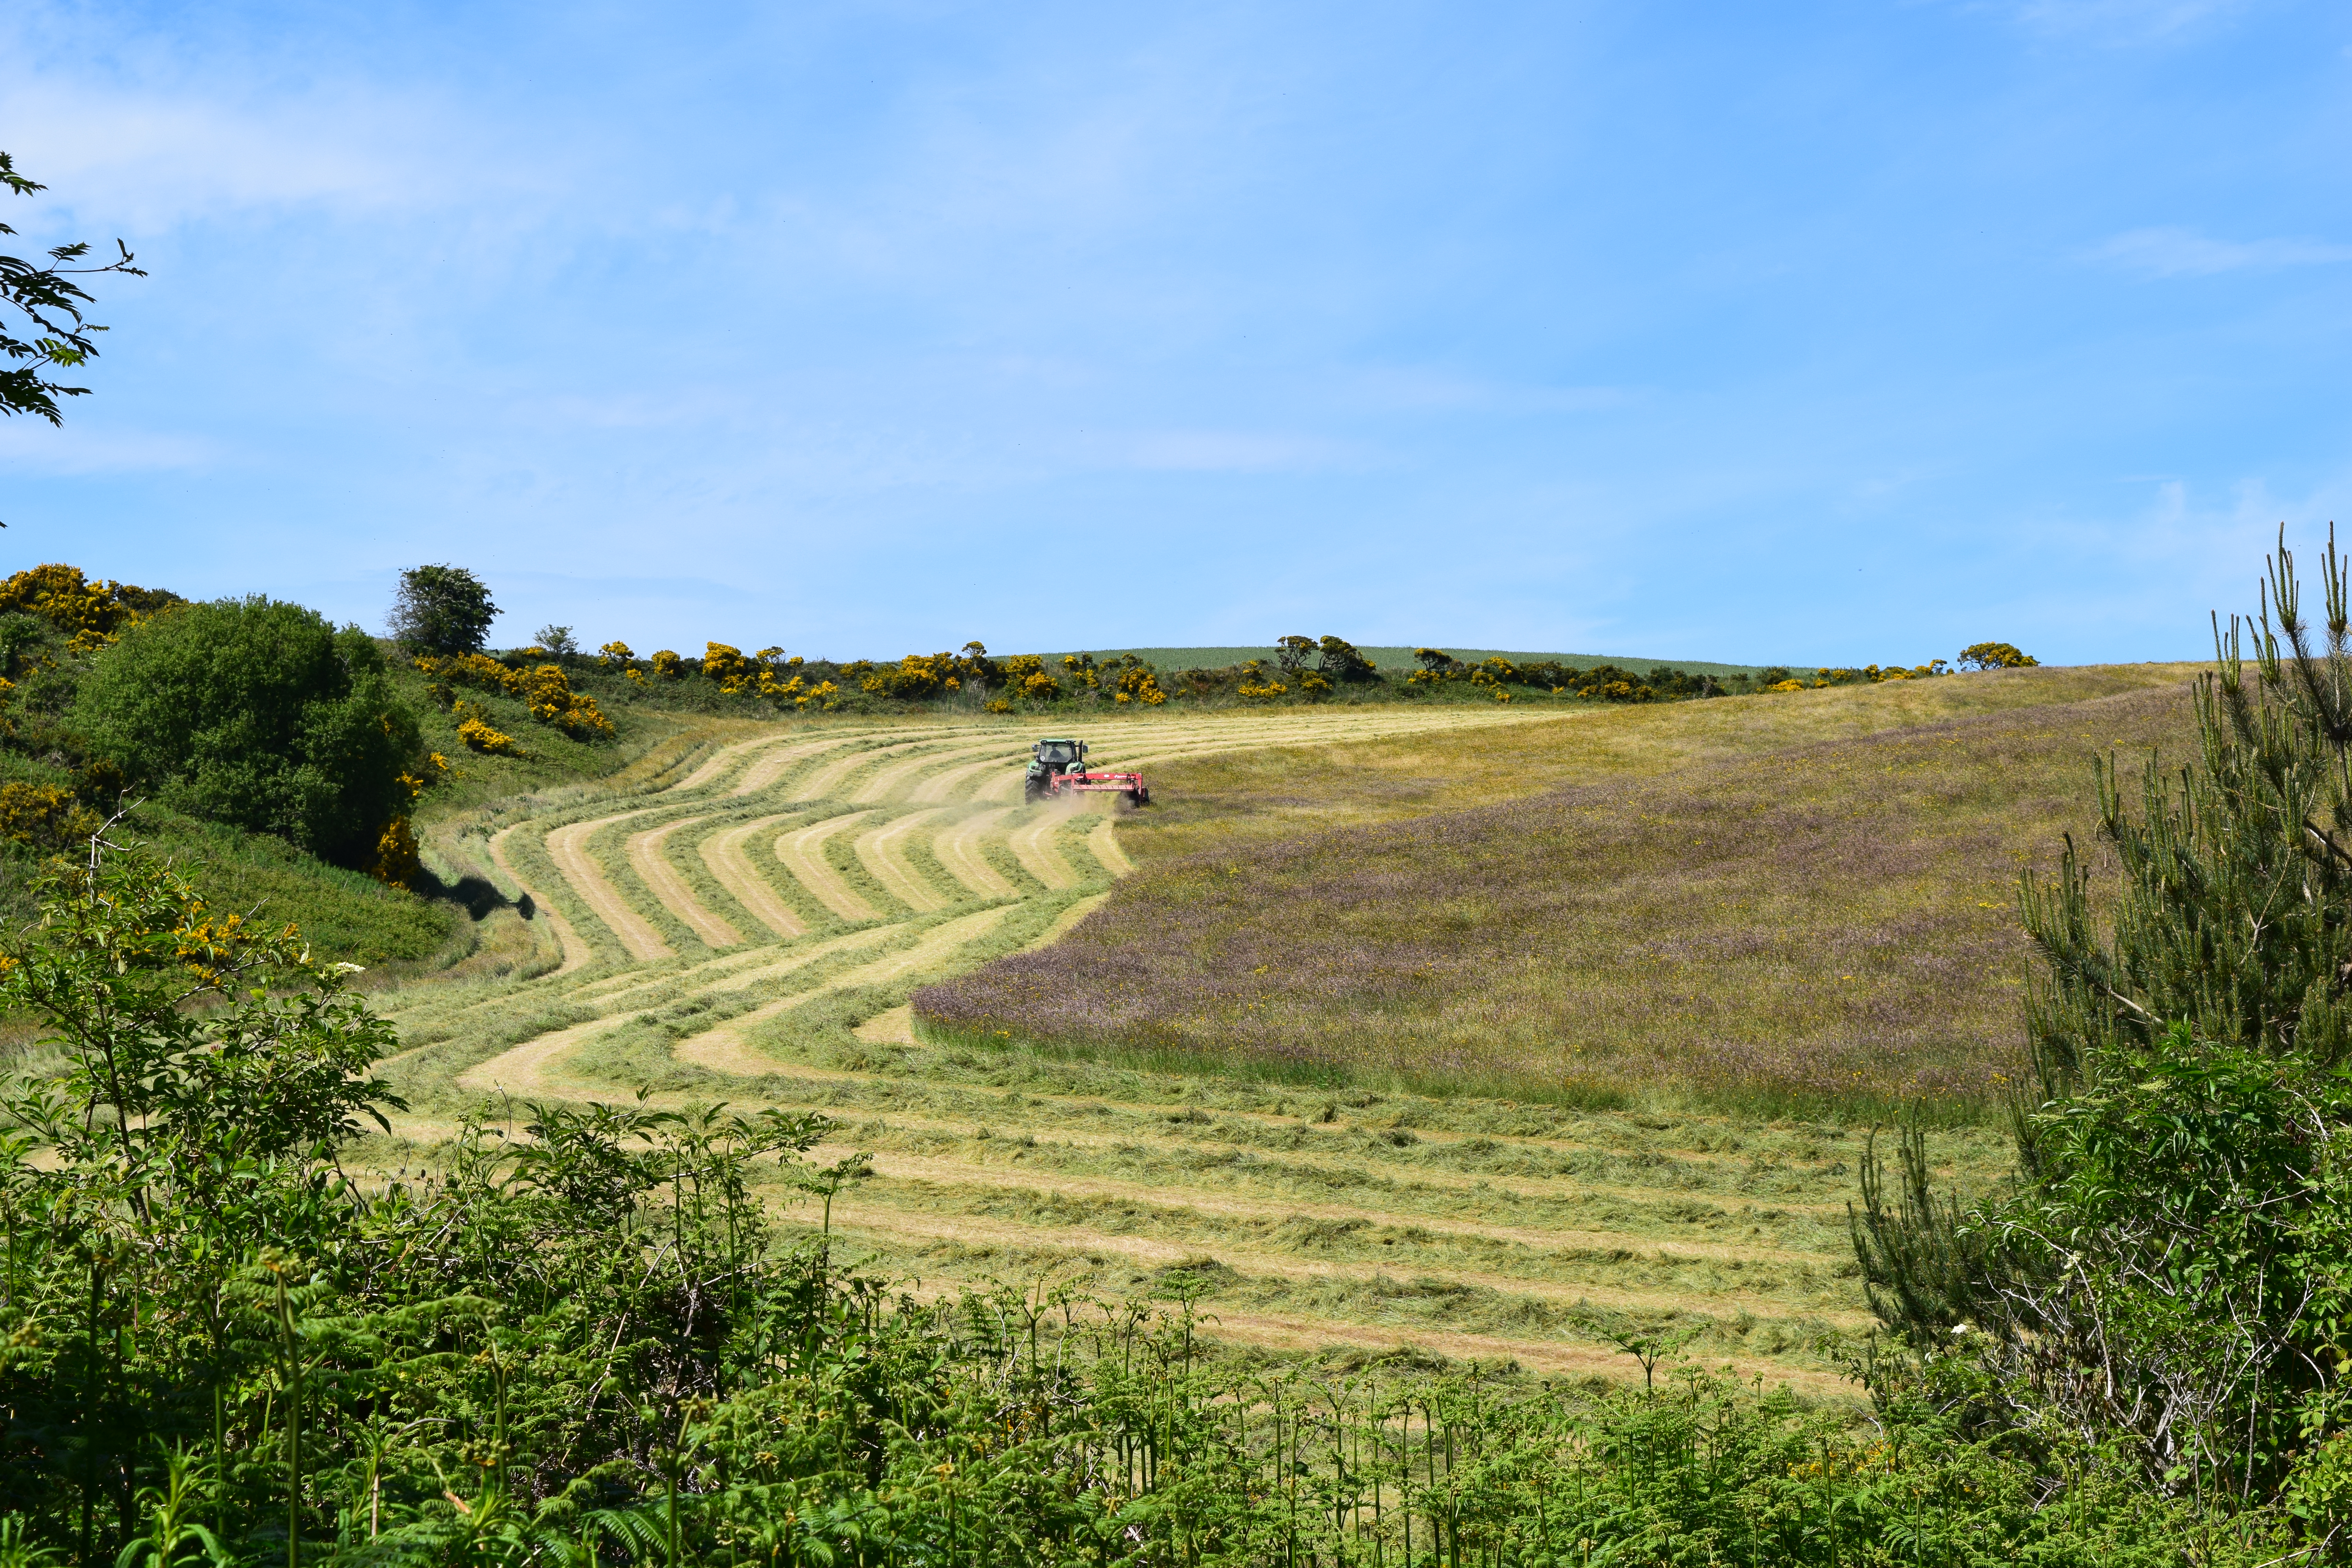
(2127, 21)
(31, 447)
(146, 140)
(1416, 389)
(2185, 253)
(1233, 452)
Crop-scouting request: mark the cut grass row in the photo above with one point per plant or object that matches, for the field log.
(1322, 1220)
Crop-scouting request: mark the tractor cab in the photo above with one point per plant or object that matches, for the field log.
(1059, 757)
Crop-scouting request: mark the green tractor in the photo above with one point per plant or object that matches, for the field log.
(1058, 769)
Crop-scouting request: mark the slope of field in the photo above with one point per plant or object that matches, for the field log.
(1796, 903)
(744, 914)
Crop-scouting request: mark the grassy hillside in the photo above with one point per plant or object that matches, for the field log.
(1800, 902)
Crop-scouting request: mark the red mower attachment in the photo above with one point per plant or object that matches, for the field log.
(1131, 785)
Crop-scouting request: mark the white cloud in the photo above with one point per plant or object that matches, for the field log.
(134, 138)
(2185, 253)
(2119, 20)
(35, 446)
(1409, 388)
(1232, 451)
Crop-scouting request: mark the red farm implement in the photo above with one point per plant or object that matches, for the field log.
(1058, 768)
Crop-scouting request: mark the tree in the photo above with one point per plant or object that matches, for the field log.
(442, 609)
(49, 302)
(1341, 662)
(557, 640)
(1996, 656)
(260, 713)
(2169, 1270)
(1292, 653)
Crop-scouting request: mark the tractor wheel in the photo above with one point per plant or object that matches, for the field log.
(1029, 791)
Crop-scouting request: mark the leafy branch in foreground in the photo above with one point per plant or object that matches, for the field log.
(46, 295)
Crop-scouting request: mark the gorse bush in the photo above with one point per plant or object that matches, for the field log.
(1995, 656)
(582, 1339)
(545, 689)
(44, 816)
(259, 713)
(89, 613)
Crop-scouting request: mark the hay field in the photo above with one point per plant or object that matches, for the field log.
(1797, 905)
(744, 912)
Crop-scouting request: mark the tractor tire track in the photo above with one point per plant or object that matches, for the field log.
(941, 1171)
(875, 1214)
(1104, 843)
(777, 764)
(573, 952)
(524, 1069)
(1033, 847)
(958, 848)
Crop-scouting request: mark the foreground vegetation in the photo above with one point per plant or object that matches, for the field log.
(578, 1339)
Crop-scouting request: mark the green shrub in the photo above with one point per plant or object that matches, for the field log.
(260, 713)
(1995, 656)
(442, 609)
(2166, 1276)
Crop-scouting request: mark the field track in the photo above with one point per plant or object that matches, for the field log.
(751, 931)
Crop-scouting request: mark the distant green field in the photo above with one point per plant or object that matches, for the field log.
(1401, 658)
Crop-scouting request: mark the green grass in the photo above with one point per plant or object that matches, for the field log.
(347, 915)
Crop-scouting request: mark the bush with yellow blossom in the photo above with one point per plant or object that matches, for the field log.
(549, 694)
(1138, 682)
(727, 666)
(1255, 686)
(545, 689)
(44, 816)
(397, 862)
(90, 613)
(480, 735)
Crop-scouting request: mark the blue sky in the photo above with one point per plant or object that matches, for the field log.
(1808, 331)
